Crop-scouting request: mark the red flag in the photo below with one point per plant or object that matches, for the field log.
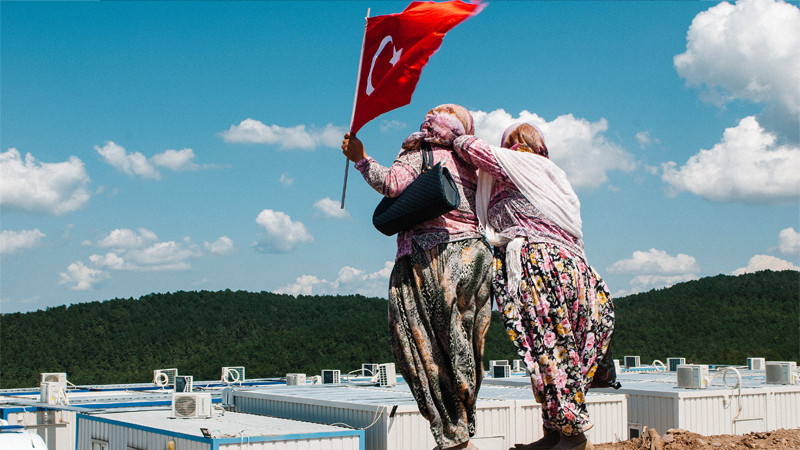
(396, 48)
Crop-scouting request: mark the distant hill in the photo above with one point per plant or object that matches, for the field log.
(722, 319)
(715, 320)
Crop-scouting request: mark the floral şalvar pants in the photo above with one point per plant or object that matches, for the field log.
(561, 322)
(439, 313)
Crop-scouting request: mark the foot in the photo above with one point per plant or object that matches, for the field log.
(574, 442)
(547, 442)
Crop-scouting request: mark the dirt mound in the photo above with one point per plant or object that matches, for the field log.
(677, 439)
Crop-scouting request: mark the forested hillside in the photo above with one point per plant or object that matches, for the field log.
(715, 320)
(721, 319)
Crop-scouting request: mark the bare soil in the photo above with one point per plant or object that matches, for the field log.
(677, 439)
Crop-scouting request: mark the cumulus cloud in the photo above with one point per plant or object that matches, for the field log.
(81, 278)
(283, 234)
(50, 188)
(656, 269)
(765, 262)
(11, 241)
(251, 131)
(644, 139)
(748, 51)
(578, 146)
(222, 246)
(136, 164)
(140, 251)
(133, 164)
(331, 208)
(125, 238)
(349, 281)
(789, 242)
(747, 166)
(176, 160)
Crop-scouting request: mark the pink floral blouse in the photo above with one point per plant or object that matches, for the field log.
(509, 211)
(458, 224)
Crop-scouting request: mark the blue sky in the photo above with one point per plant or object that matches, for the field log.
(165, 146)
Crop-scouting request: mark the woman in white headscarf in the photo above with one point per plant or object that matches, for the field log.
(556, 308)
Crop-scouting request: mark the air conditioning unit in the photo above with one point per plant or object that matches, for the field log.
(518, 366)
(498, 362)
(183, 383)
(369, 370)
(781, 372)
(228, 397)
(387, 375)
(191, 405)
(755, 363)
(55, 377)
(632, 361)
(50, 392)
(331, 376)
(164, 377)
(232, 375)
(294, 379)
(500, 371)
(692, 376)
(673, 363)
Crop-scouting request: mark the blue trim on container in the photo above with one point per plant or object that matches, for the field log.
(216, 442)
(144, 428)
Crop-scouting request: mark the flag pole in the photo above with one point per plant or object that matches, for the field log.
(355, 98)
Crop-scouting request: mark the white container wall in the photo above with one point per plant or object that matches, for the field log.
(396, 423)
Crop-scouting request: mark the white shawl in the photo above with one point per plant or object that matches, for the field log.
(543, 184)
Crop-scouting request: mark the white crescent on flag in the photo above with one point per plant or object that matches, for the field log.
(395, 57)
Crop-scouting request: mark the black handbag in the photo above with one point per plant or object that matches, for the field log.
(432, 194)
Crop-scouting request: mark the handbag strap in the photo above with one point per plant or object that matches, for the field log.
(427, 156)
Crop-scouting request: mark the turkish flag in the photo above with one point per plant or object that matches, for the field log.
(396, 48)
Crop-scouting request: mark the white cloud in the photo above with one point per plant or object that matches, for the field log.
(745, 167)
(655, 269)
(331, 208)
(349, 281)
(133, 164)
(578, 146)
(81, 278)
(286, 180)
(11, 241)
(391, 125)
(765, 262)
(308, 285)
(644, 139)
(125, 238)
(51, 188)
(251, 131)
(789, 242)
(748, 51)
(283, 234)
(176, 160)
(222, 246)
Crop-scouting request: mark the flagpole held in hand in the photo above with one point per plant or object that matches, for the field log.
(355, 98)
